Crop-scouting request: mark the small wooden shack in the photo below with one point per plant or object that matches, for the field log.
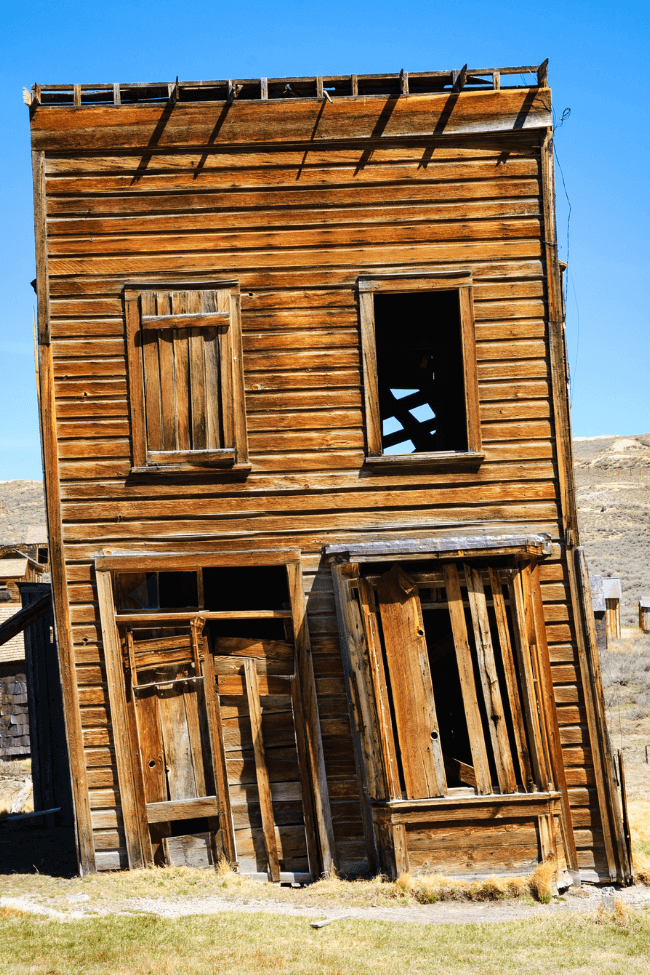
(606, 599)
(16, 567)
(319, 595)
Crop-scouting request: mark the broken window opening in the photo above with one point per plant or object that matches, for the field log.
(456, 681)
(420, 372)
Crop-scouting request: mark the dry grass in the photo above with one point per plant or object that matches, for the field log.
(639, 814)
(123, 890)
(606, 943)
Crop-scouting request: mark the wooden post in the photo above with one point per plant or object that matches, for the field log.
(626, 821)
(305, 674)
(134, 819)
(593, 691)
(261, 771)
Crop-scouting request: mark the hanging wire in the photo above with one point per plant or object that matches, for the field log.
(565, 115)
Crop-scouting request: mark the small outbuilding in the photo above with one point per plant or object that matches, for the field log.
(606, 598)
(15, 567)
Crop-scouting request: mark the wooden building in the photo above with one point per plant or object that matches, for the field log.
(606, 600)
(319, 594)
(16, 567)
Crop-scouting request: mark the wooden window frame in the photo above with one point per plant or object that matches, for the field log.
(133, 812)
(234, 454)
(368, 286)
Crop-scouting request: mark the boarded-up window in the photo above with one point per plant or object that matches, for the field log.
(185, 377)
(419, 362)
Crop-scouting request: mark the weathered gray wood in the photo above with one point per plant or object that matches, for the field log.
(197, 808)
(466, 677)
(190, 851)
(490, 681)
(261, 771)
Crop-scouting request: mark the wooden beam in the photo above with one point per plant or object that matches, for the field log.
(219, 768)
(459, 79)
(467, 684)
(100, 128)
(547, 700)
(309, 815)
(522, 644)
(175, 616)
(407, 658)
(490, 681)
(261, 771)
(166, 812)
(213, 319)
(119, 722)
(519, 727)
(305, 674)
(542, 74)
(610, 814)
(187, 561)
(380, 684)
(23, 618)
(362, 703)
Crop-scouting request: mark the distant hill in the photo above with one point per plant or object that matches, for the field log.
(22, 512)
(613, 484)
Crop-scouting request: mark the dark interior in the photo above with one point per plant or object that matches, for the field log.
(420, 372)
(447, 692)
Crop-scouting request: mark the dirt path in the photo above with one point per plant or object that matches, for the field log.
(583, 901)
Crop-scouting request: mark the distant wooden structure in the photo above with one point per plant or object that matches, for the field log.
(319, 593)
(644, 615)
(16, 567)
(45, 838)
(606, 596)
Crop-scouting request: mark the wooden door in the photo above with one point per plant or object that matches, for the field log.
(174, 725)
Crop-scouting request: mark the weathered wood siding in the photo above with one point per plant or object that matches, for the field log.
(297, 226)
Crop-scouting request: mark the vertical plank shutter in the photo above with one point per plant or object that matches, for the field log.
(180, 335)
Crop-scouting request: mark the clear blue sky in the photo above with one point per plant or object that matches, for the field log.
(598, 67)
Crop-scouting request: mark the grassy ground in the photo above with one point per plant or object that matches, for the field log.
(119, 891)
(612, 943)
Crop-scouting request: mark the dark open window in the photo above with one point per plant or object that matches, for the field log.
(420, 372)
(419, 360)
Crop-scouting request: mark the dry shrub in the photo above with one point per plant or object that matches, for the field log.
(11, 912)
(429, 889)
(641, 864)
(541, 882)
(621, 916)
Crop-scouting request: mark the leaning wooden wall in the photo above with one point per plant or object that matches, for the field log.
(297, 226)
